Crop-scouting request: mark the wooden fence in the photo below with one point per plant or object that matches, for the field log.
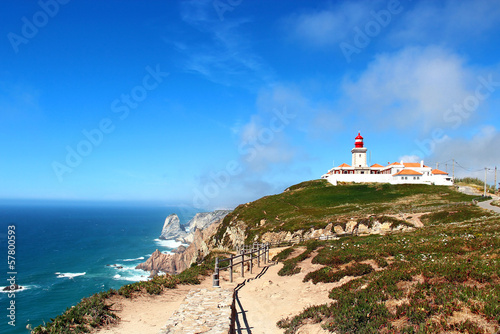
(246, 253)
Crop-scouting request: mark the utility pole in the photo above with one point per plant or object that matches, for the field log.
(446, 168)
(485, 176)
(495, 185)
(453, 170)
(437, 165)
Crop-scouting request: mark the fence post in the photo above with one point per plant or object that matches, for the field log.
(243, 262)
(258, 257)
(231, 269)
(251, 261)
(266, 257)
(216, 274)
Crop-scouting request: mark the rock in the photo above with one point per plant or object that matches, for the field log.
(176, 263)
(350, 226)
(179, 249)
(12, 287)
(338, 229)
(172, 229)
(204, 219)
(363, 229)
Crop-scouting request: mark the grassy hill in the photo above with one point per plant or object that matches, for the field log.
(317, 203)
(441, 278)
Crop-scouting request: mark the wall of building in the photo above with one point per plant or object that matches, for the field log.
(440, 180)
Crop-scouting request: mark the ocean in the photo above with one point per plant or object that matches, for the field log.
(65, 252)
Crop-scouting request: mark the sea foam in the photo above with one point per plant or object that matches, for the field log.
(69, 275)
(136, 259)
(168, 243)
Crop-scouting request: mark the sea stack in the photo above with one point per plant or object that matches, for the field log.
(172, 229)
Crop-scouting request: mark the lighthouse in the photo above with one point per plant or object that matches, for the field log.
(359, 154)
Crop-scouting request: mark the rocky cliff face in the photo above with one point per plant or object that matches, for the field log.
(202, 220)
(172, 229)
(201, 227)
(176, 263)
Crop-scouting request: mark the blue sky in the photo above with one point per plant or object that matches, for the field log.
(216, 103)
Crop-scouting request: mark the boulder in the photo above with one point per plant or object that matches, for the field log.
(172, 229)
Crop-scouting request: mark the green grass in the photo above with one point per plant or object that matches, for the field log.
(90, 313)
(315, 204)
(451, 266)
(328, 275)
(290, 265)
(453, 215)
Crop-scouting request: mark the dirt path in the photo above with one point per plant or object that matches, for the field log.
(148, 314)
(263, 299)
(268, 299)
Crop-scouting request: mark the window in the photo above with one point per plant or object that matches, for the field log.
(360, 155)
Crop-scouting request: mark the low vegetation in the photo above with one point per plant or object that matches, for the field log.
(440, 278)
(443, 277)
(290, 265)
(318, 203)
(96, 310)
(476, 183)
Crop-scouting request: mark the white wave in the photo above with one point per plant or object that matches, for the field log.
(129, 273)
(69, 275)
(168, 243)
(135, 278)
(22, 288)
(136, 259)
(135, 275)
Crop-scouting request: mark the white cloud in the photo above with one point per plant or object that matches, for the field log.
(223, 53)
(472, 154)
(410, 158)
(412, 88)
(449, 22)
(328, 26)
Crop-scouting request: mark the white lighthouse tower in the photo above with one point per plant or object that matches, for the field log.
(359, 156)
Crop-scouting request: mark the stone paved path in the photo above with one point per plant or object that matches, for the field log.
(203, 311)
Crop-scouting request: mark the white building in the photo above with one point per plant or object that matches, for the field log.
(395, 173)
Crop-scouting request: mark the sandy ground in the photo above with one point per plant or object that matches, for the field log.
(264, 298)
(147, 314)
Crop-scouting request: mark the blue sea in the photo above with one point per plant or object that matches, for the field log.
(67, 251)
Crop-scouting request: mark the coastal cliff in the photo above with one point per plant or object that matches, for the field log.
(178, 262)
(201, 227)
(172, 229)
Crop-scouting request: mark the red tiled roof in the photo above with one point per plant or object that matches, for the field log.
(408, 172)
(438, 172)
(411, 164)
(394, 163)
(344, 165)
(376, 165)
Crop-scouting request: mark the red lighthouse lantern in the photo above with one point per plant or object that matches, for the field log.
(358, 141)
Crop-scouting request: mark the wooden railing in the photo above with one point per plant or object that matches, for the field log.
(246, 253)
